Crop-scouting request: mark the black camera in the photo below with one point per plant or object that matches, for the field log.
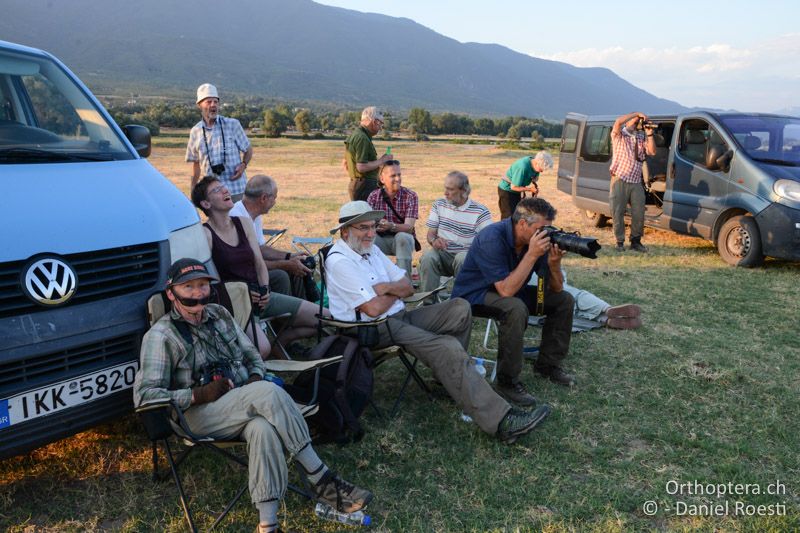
(646, 124)
(309, 285)
(573, 242)
(215, 370)
(218, 169)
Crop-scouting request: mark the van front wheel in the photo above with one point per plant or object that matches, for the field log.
(739, 242)
(596, 220)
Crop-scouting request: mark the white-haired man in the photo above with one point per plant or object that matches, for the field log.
(521, 178)
(360, 158)
(286, 269)
(452, 225)
(364, 285)
(218, 145)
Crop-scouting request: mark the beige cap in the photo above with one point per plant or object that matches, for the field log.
(206, 91)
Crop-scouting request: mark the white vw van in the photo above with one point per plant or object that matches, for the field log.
(89, 229)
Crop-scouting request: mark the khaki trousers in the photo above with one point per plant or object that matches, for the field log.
(621, 194)
(437, 263)
(438, 335)
(265, 416)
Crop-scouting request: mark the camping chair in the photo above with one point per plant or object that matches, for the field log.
(271, 236)
(163, 419)
(383, 355)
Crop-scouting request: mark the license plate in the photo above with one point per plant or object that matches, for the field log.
(54, 398)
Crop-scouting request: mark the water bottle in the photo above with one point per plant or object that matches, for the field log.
(326, 512)
(481, 370)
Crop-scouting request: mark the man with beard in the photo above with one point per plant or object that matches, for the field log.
(452, 225)
(218, 145)
(364, 285)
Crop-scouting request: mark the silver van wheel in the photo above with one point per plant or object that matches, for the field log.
(739, 242)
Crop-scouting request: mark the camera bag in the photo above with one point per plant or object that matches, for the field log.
(344, 390)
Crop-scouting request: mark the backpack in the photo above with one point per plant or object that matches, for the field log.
(344, 390)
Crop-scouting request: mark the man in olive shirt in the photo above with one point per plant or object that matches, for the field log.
(361, 159)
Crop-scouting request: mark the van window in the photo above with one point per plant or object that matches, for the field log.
(698, 138)
(569, 140)
(45, 117)
(770, 139)
(597, 143)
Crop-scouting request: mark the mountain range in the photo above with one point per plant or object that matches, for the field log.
(300, 50)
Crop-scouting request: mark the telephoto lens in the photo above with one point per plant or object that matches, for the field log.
(573, 242)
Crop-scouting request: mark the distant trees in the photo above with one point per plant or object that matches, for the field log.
(277, 119)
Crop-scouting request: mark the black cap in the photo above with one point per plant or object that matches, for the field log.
(187, 269)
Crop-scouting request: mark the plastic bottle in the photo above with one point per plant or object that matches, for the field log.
(326, 512)
(481, 370)
(389, 150)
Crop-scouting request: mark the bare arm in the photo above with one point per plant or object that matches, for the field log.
(195, 175)
(373, 165)
(434, 240)
(556, 278)
(401, 288)
(405, 227)
(650, 145)
(624, 119)
(378, 305)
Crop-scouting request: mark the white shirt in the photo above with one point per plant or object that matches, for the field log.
(239, 210)
(350, 278)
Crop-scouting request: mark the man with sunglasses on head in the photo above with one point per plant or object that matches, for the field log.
(363, 285)
(361, 159)
(218, 145)
(401, 206)
(197, 356)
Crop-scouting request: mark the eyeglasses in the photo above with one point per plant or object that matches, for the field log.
(366, 227)
(392, 162)
(379, 121)
(215, 190)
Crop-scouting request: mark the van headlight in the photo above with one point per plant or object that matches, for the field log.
(189, 242)
(788, 189)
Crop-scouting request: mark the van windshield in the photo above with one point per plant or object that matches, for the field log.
(769, 139)
(45, 117)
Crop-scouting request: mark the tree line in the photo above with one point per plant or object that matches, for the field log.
(275, 120)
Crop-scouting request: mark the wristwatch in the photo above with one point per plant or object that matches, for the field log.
(288, 256)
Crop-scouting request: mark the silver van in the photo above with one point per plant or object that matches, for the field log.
(89, 229)
(732, 178)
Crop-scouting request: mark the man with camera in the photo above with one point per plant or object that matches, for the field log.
(632, 141)
(218, 145)
(401, 210)
(289, 273)
(499, 264)
(364, 285)
(197, 356)
(360, 158)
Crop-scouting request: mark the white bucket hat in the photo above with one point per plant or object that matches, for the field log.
(354, 212)
(206, 91)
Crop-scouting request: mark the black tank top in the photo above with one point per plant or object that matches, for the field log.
(234, 263)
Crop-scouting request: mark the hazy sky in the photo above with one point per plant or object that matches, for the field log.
(706, 53)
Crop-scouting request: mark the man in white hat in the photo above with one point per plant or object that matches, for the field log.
(360, 158)
(218, 145)
(364, 285)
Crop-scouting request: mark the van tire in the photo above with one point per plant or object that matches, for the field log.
(596, 220)
(739, 242)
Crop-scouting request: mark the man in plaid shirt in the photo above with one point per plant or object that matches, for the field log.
(218, 145)
(631, 141)
(236, 404)
(396, 229)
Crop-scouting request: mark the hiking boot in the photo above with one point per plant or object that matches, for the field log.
(556, 374)
(515, 393)
(620, 247)
(638, 246)
(624, 311)
(340, 494)
(518, 422)
(625, 322)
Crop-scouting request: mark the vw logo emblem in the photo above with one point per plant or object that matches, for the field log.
(49, 281)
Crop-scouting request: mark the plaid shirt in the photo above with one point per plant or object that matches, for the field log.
(236, 143)
(405, 203)
(169, 367)
(629, 152)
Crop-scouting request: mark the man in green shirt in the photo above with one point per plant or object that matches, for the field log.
(521, 177)
(360, 157)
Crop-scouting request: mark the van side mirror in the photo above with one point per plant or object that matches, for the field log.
(717, 159)
(139, 136)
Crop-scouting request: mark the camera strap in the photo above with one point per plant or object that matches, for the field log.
(224, 149)
(540, 275)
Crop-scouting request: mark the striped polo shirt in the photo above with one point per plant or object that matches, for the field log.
(458, 225)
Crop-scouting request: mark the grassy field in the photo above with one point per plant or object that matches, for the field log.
(705, 392)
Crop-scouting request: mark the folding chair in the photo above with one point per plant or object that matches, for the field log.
(385, 354)
(271, 236)
(162, 419)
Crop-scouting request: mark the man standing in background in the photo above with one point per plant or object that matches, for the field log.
(361, 159)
